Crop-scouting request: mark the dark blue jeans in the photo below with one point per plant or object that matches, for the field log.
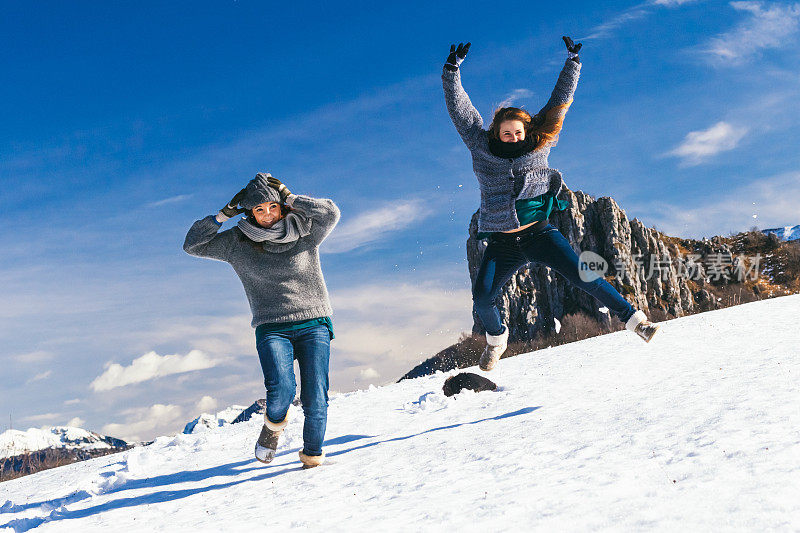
(507, 252)
(311, 347)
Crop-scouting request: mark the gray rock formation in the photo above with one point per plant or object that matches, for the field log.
(651, 270)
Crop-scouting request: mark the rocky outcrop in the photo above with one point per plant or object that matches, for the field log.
(259, 407)
(654, 272)
(664, 276)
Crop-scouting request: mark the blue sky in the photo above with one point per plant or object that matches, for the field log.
(125, 122)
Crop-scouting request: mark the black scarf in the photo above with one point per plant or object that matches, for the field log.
(511, 150)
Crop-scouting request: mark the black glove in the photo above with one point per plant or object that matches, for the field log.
(572, 49)
(457, 55)
(232, 209)
(276, 184)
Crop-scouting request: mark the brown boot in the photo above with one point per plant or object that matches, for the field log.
(267, 443)
(639, 324)
(310, 461)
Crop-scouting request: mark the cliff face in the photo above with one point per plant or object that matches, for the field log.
(651, 270)
(664, 276)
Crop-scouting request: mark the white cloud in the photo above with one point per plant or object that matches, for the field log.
(46, 417)
(388, 329)
(774, 200)
(607, 28)
(369, 373)
(72, 401)
(698, 146)
(34, 357)
(373, 225)
(147, 423)
(672, 3)
(207, 404)
(515, 95)
(151, 366)
(635, 12)
(76, 422)
(632, 13)
(766, 28)
(217, 336)
(171, 200)
(40, 376)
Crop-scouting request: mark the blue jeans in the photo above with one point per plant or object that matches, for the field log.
(507, 252)
(311, 347)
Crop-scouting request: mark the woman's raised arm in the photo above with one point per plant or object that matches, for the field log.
(465, 117)
(550, 118)
(203, 239)
(323, 213)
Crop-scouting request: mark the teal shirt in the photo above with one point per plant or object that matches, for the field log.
(263, 329)
(531, 210)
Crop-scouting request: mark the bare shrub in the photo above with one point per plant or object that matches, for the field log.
(734, 294)
(752, 242)
(786, 261)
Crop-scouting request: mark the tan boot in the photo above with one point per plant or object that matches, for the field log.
(495, 347)
(310, 461)
(639, 324)
(267, 443)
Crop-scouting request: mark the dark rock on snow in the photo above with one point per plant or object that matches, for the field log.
(467, 381)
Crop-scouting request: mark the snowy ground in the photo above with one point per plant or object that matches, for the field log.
(699, 430)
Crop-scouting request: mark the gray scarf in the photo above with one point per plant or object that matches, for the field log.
(282, 236)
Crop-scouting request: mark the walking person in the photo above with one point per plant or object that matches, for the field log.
(518, 193)
(274, 250)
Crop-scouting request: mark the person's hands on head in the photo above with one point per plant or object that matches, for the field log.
(572, 49)
(276, 184)
(232, 208)
(457, 55)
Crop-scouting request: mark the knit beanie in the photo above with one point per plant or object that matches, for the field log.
(258, 191)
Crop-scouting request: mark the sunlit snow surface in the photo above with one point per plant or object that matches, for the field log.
(697, 431)
(786, 233)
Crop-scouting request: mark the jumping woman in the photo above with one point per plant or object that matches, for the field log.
(275, 251)
(518, 193)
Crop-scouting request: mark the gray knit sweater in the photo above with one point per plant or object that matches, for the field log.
(503, 181)
(281, 287)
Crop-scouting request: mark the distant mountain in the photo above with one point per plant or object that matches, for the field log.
(14, 442)
(27, 452)
(232, 415)
(786, 233)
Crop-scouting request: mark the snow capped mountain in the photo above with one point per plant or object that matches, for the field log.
(14, 442)
(786, 233)
(230, 415)
(207, 421)
(695, 431)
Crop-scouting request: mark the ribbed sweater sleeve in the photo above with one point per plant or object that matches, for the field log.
(204, 241)
(323, 213)
(565, 86)
(465, 117)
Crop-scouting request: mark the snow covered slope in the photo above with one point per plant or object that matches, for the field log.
(786, 233)
(698, 430)
(14, 442)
